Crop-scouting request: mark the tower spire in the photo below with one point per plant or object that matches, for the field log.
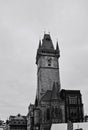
(57, 46)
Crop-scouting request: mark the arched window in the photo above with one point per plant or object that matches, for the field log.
(56, 112)
(48, 114)
(52, 112)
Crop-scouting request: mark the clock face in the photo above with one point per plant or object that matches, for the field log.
(49, 60)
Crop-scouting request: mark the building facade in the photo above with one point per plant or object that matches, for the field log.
(52, 105)
(73, 105)
(18, 122)
(2, 125)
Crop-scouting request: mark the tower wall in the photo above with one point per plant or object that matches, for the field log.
(47, 74)
(46, 79)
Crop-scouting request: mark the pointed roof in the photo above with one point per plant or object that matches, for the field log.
(47, 96)
(54, 94)
(47, 47)
(47, 42)
(36, 102)
(57, 46)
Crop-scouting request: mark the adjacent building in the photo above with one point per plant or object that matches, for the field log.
(73, 105)
(2, 125)
(86, 118)
(18, 122)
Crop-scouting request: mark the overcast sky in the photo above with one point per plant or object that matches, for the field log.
(22, 24)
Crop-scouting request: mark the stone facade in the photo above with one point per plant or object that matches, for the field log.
(73, 105)
(2, 125)
(16, 123)
(51, 103)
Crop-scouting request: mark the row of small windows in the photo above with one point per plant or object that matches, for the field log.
(21, 128)
(44, 51)
(18, 122)
(73, 100)
(73, 114)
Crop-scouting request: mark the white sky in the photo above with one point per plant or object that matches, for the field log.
(22, 24)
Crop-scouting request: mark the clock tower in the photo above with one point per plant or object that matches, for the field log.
(47, 66)
(52, 105)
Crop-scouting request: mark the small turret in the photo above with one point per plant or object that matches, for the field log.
(39, 44)
(36, 102)
(57, 49)
(57, 46)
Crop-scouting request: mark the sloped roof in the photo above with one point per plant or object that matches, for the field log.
(47, 42)
(18, 117)
(47, 96)
(51, 94)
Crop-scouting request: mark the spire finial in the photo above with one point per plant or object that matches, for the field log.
(57, 47)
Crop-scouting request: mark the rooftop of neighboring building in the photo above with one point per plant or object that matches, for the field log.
(17, 117)
(17, 120)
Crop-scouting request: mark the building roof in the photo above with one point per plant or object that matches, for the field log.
(51, 94)
(46, 47)
(47, 43)
(17, 117)
(70, 91)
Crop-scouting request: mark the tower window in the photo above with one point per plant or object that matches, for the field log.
(52, 111)
(49, 61)
(56, 112)
(49, 64)
(48, 114)
(47, 39)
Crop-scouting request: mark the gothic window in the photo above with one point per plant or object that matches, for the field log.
(73, 113)
(67, 100)
(72, 100)
(52, 112)
(79, 101)
(48, 114)
(60, 113)
(56, 112)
